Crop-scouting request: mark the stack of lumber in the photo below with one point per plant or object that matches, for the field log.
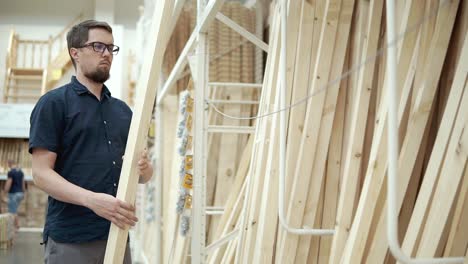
(33, 208)
(231, 60)
(17, 150)
(7, 230)
(336, 155)
(336, 141)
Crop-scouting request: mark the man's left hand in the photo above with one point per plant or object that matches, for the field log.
(145, 169)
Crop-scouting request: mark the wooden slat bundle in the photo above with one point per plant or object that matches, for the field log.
(336, 155)
(367, 240)
(16, 150)
(263, 142)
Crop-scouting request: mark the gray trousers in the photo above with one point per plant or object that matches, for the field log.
(80, 253)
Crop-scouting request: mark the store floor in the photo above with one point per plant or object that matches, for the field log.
(25, 250)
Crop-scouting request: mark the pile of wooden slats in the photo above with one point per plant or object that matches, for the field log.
(336, 158)
(336, 152)
(16, 150)
(7, 230)
(231, 60)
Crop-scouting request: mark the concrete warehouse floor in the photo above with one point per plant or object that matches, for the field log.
(26, 249)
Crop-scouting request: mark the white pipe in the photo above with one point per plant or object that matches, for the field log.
(231, 129)
(235, 84)
(282, 146)
(241, 102)
(214, 208)
(392, 210)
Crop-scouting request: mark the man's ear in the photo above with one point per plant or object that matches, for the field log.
(74, 53)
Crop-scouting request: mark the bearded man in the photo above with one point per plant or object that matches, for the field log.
(77, 140)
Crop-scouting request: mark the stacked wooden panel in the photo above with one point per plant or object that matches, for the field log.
(7, 230)
(231, 60)
(336, 152)
(336, 157)
(16, 150)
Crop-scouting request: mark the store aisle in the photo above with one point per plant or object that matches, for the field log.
(25, 250)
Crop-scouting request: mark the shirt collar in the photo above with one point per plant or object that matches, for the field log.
(80, 89)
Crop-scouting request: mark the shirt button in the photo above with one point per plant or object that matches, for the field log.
(105, 122)
(115, 184)
(113, 162)
(109, 142)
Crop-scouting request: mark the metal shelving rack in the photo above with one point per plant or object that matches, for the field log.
(207, 11)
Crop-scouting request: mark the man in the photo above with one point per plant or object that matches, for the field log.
(77, 140)
(15, 188)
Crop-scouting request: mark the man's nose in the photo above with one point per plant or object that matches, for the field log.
(107, 52)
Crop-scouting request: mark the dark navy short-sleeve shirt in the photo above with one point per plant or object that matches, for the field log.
(16, 175)
(89, 137)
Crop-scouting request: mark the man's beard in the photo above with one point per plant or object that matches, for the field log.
(99, 75)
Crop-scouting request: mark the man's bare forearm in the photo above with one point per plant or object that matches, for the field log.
(56, 186)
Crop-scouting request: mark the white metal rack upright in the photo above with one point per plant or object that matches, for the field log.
(206, 13)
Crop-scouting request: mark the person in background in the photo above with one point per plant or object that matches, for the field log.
(77, 140)
(15, 187)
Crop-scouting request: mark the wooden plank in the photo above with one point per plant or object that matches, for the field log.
(231, 223)
(357, 133)
(361, 17)
(427, 31)
(263, 251)
(299, 91)
(449, 178)
(332, 180)
(312, 254)
(171, 183)
(247, 68)
(268, 218)
(146, 93)
(309, 139)
(227, 161)
(420, 117)
(377, 168)
(230, 251)
(328, 114)
(292, 27)
(432, 172)
(260, 168)
(410, 157)
(378, 245)
(261, 139)
(225, 223)
(411, 174)
(458, 240)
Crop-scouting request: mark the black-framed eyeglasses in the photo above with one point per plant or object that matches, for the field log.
(101, 47)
